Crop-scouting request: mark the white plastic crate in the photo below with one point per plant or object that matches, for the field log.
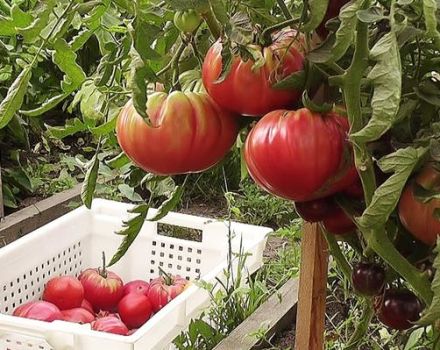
(75, 242)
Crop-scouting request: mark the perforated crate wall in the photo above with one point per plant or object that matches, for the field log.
(29, 285)
(11, 342)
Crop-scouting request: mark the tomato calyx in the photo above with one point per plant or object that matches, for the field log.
(167, 278)
(314, 106)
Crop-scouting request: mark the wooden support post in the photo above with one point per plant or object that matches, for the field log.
(312, 290)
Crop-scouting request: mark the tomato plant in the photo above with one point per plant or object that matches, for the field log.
(66, 292)
(420, 215)
(187, 21)
(247, 88)
(188, 133)
(135, 309)
(300, 155)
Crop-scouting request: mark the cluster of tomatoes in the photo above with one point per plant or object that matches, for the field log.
(100, 298)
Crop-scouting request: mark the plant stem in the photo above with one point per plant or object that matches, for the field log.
(361, 327)
(170, 64)
(376, 238)
(103, 272)
(284, 9)
(336, 252)
(211, 21)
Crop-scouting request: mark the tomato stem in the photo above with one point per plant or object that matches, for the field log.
(284, 9)
(376, 237)
(103, 271)
(362, 326)
(212, 23)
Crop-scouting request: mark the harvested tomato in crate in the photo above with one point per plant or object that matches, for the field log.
(73, 243)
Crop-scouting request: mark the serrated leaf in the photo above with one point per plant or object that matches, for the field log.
(414, 339)
(65, 59)
(72, 127)
(346, 30)
(89, 185)
(7, 27)
(318, 9)
(182, 5)
(9, 200)
(371, 15)
(14, 98)
(385, 198)
(130, 231)
(169, 204)
(386, 76)
(20, 18)
(294, 81)
(80, 39)
(129, 193)
(227, 58)
(104, 129)
(119, 161)
(31, 33)
(432, 313)
(46, 106)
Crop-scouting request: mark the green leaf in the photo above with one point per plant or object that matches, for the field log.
(119, 161)
(129, 193)
(386, 76)
(318, 9)
(20, 18)
(130, 231)
(346, 30)
(80, 39)
(14, 98)
(46, 106)
(104, 129)
(385, 198)
(432, 313)
(7, 27)
(182, 5)
(141, 73)
(89, 185)
(414, 339)
(295, 81)
(371, 15)
(9, 200)
(65, 59)
(72, 127)
(31, 33)
(169, 204)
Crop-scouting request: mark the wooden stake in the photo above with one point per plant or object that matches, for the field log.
(312, 290)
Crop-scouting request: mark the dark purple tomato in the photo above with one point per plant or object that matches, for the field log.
(368, 278)
(315, 210)
(399, 309)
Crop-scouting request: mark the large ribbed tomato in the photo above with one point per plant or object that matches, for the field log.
(248, 90)
(188, 133)
(300, 155)
(418, 217)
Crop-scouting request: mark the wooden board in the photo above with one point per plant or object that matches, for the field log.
(30, 218)
(275, 315)
(313, 290)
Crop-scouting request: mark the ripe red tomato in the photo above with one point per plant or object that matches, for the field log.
(102, 288)
(110, 324)
(368, 278)
(338, 223)
(137, 286)
(333, 9)
(165, 288)
(189, 133)
(247, 90)
(315, 210)
(398, 309)
(418, 217)
(85, 304)
(135, 309)
(39, 310)
(66, 292)
(78, 315)
(300, 155)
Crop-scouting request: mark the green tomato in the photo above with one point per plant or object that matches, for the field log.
(187, 21)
